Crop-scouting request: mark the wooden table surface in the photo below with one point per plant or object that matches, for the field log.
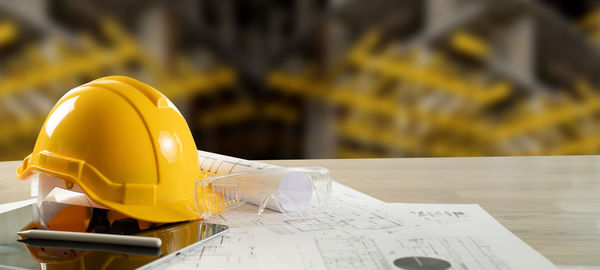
(552, 203)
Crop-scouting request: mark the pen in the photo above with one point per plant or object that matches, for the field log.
(122, 249)
(116, 239)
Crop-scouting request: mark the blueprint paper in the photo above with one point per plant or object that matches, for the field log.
(238, 248)
(360, 232)
(475, 242)
(441, 215)
(217, 164)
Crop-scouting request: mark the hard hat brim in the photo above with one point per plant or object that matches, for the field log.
(159, 212)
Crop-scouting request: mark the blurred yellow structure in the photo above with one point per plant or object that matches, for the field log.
(8, 32)
(41, 81)
(322, 79)
(418, 103)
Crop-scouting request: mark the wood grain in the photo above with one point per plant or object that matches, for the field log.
(552, 203)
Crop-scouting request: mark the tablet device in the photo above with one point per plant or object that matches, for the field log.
(18, 253)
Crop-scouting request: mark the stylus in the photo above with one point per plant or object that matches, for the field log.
(116, 239)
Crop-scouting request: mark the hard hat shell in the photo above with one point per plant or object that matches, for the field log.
(126, 145)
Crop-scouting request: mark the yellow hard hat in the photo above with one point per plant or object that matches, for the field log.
(127, 147)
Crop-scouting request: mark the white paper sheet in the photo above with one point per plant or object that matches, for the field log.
(13, 216)
(360, 232)
(5, 207)
(51, 189)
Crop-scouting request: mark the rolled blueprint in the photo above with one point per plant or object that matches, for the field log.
(291, 190)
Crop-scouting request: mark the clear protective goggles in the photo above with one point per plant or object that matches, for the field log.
(297, 192)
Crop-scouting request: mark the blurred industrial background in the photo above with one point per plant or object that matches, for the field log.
(322, 79)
